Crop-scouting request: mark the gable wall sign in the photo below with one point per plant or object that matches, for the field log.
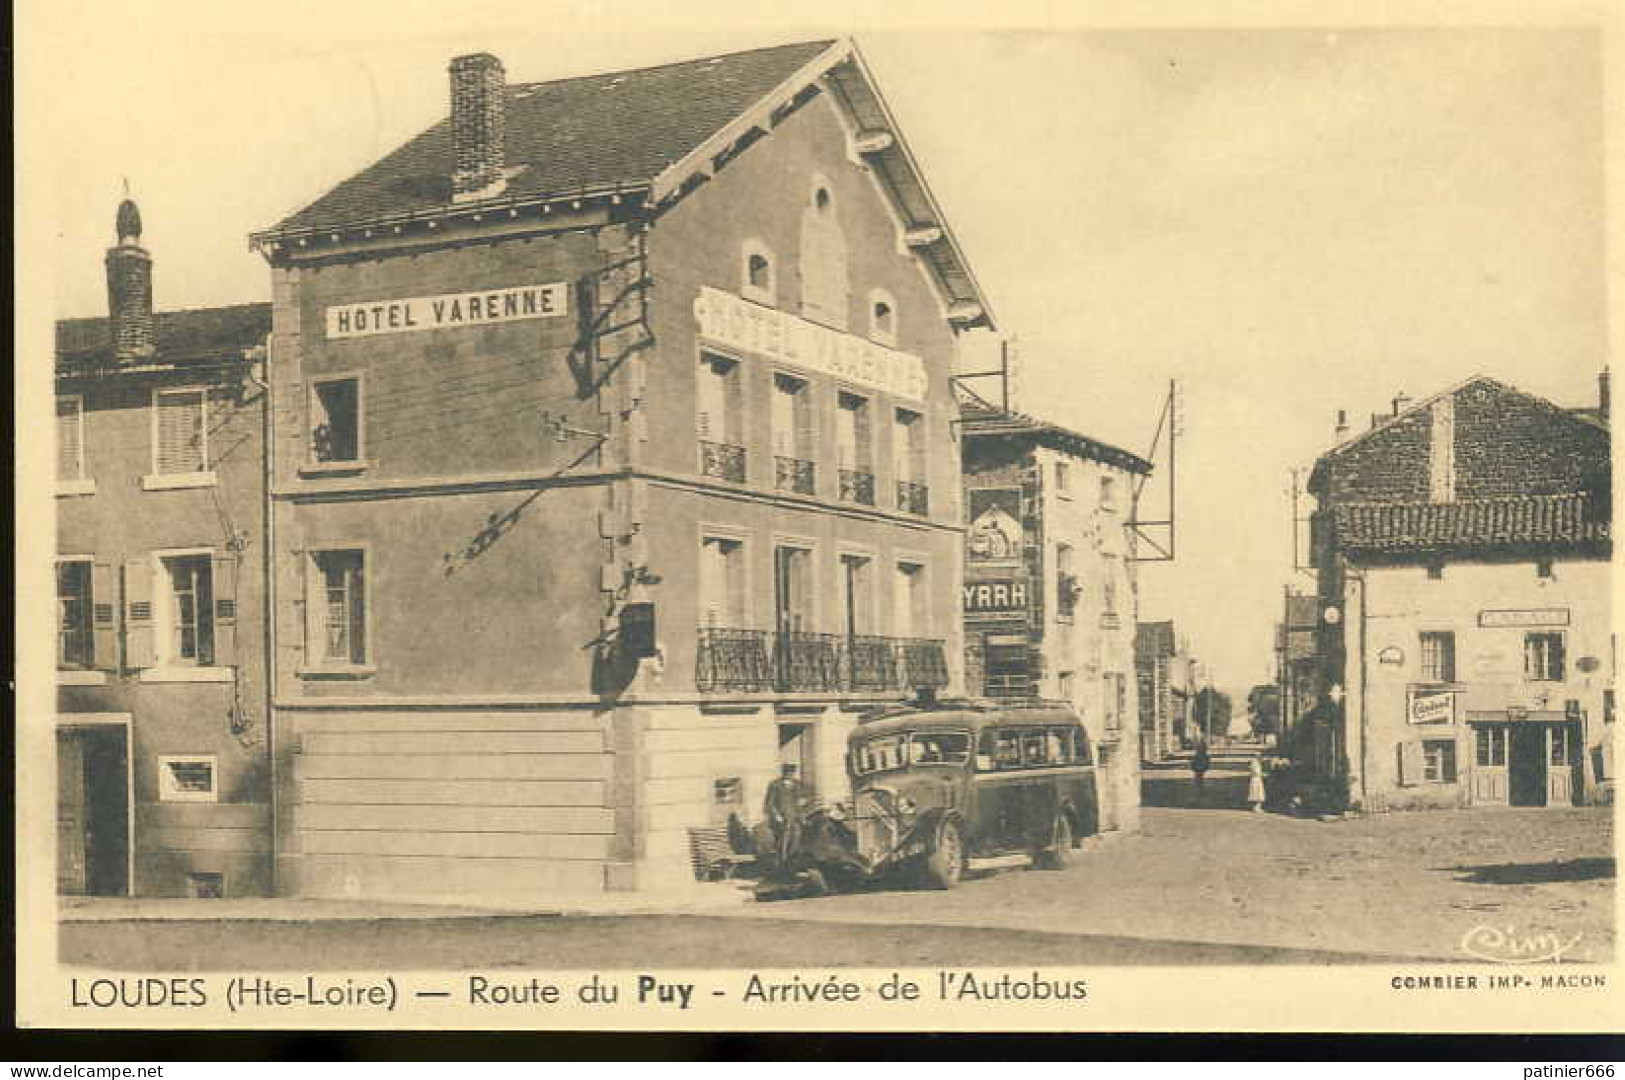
(448, 311)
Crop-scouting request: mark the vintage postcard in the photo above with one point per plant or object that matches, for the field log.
(910, 519)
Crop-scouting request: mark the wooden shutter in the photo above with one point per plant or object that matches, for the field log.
(1410, 764)
(103, 624)
(224, 571)
(69, 449)
(180, 432)
(733, 405)
(140, 645)
(806, 423)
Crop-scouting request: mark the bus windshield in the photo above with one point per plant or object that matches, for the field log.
(913, 748)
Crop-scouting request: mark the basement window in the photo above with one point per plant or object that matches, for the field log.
(187, 779)
(206, 886)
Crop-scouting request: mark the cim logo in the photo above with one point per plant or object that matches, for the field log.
(995, 597)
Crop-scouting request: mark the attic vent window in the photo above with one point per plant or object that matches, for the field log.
(821, 199)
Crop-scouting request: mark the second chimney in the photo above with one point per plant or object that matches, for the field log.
(1341, 431)
(129, 290)
(1602, 392)
(478, 130)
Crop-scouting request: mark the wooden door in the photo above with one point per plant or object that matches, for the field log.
(1563, 757)
(1490, 765)
(1526, 760)
(71, 849)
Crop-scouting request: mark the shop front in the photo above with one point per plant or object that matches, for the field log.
(1524, 758)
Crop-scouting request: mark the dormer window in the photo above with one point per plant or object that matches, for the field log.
(758, 274)
(882, 318)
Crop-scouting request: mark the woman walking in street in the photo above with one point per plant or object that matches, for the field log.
(1255, 786)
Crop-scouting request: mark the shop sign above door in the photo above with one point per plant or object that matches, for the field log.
(1525, 617)
(448, 311)
(734, 322)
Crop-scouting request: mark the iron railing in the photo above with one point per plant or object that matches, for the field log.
(857, 487)
(913, 498)
(794, 474)
(731, 660)
(723, 461)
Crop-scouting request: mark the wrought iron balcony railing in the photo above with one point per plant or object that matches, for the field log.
(794, 474)
(723, 461)
(857, 487)
(913, 498)
(743, 661)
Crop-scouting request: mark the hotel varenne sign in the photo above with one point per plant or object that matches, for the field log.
(448, 311)
(733, 322)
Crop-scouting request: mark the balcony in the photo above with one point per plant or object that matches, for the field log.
(913, 498)
(793, 474)
(857, 487)
(723, 461)
(730, 660)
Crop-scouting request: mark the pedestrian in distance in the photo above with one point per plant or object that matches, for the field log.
(1200, 762)
(1255, 786)
(783, 808)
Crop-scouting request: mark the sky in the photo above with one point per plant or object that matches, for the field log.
(1286, 222)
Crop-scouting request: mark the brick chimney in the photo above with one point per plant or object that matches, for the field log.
(1341, 431)
(129, 290)
(1401, 400)
(1602, 392)
(478, 130)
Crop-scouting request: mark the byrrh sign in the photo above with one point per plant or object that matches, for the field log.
(734, 322)
(451, 310)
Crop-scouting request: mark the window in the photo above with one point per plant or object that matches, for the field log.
(70, 438)
(187, 779)
(857, 595)
(825, 294)
(182, 432)
(1108, 493)
(1492, 746)
(335, 432)
(1006, 666)
(794, 435)
(1066, 584)
(1435, 570)
(718, 419)
(1114, 698)
(910, 613)
(1439, 656)
(722, 582)
(908, 452)
(1063, 479)
(758, 277)
(882, 318)
(1564, 745)
(793, 589)
(852, 449)
(189, 582)
(728, 791)
(1000, 750)
(75, 637)
(1439, 761)
(1543, 657)
(1544, 570)
(339, 607)
(1063, 683)
(1108, 590)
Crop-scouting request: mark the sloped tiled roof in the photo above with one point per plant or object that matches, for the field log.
(192, 334)
(592, 133)
(1529, 519)
(978, 417)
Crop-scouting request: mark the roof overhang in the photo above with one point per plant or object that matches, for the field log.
(878, 141)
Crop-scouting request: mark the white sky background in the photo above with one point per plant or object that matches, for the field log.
(1289, 222)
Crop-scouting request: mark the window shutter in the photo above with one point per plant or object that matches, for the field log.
(140, 646)
(224, 571)
(69, 464)
(1410, 764)
(806, 419)
(104, 627)
(180, 432)
(733, 404)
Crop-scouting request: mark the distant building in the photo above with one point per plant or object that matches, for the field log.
(1297, 657)
(163, 779)
(1463, 551)
(1050, 597)
(1164, 674)
(615, 467)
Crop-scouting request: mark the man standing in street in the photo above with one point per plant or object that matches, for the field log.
(783, 808)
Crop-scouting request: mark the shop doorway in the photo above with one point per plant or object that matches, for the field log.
(93, 811)
(1526, 772)
(797, 747)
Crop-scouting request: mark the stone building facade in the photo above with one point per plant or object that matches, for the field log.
(614, 467)
(1164, 674)
(162, 738)
(1463, 549)
(1050, 595)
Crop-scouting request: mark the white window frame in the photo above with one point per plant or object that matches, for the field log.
(871, 558)
(310, 466)
(1455, 763)
(1063, 478)
(1563, 644)
(85, 676)
(866, 411)
(166, 668)
(80, 484)
(1422, 636)
(315, 663)
(816, 605)
(708, 531)
(879, 334)
(1108, 492)
(922, 564)
(768, 294)
(168, 792)
(157, 480)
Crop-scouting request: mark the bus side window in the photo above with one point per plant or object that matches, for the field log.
(1035, 749)
(1060, 746)
(1006, 748)
(1083, 756)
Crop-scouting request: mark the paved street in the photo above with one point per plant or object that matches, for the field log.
(1211, 885)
